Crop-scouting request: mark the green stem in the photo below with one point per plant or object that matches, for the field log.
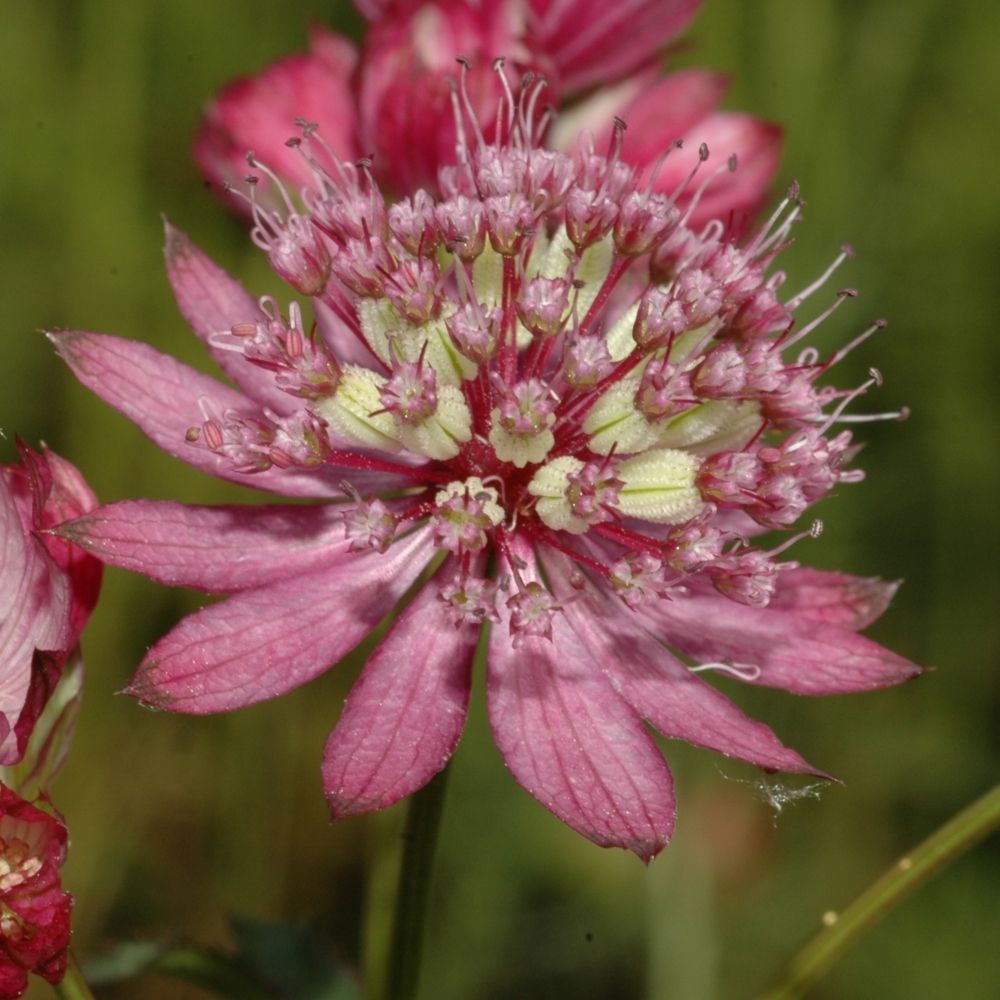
(73, 986)
(943, 846)
(423, 820)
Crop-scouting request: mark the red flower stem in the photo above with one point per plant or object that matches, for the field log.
(73, 986)
(629, 539)
(576, 407)
(618, 267)
(843, 929)
(507, 359)
(423, 821)
(551, 539)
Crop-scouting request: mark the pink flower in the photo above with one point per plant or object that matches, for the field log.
(659, 109)
(394, 101)
(258, 112)
(591, 43)
(48, 588)
(572, 410)
(34, 910)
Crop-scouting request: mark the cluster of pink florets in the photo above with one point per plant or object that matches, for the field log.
(588, 347)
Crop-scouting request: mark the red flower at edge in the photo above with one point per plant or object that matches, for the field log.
(48, 587)
(34, 909)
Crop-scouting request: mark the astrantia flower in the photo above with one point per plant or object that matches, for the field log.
(48, 588)
(393, 100)
(34, 910)
(540, 401)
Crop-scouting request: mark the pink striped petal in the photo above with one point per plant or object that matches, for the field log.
(790, 651)
(404, 716)
(163, 397)
(217, 549)
(594, 42)
(575, 744)
(213, 302)
(670, 697)
(852, 602)
(262, 643)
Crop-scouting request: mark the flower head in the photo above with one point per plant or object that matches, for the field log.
(579, 443)
(48, 588)
(34, 910)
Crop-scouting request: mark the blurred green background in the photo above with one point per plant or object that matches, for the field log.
(893, 132)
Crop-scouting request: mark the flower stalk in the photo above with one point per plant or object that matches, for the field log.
(423, 821)
(73, 986)
(842, 930)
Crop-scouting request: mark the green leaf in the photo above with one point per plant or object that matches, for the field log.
(212, 970)
(294, 959)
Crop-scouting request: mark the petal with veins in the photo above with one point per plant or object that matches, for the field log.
(162, 397)
(212, 302)
(852, 602)
(404, 716)
(217, 549)
(791, 651)
(571, 740)
(261, 643)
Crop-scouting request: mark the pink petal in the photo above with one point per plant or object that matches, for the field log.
(163, 397)
(258, 113)
(791, 651)
(212, 302)
(34, 615)
(60, 492)
(669, 696)
(343, 343)
(261, 643)
(852, 602)
(757, 148)
(575, 744)
(684, 105)
(404, 716)
(374, 9)
(217, 549)
(593, 42)
(406, 82)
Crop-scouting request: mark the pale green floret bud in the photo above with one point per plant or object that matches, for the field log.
(441, 354)
(616, 423)
(719, 425)
(521, 422)
(475, 489)
(379, 322)
(393, 338)
(520, 449)
(659, 486)
(353, 411)
(591, 267)
(464, 514)
(551, 485)
(443, 433)
(619, 337)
